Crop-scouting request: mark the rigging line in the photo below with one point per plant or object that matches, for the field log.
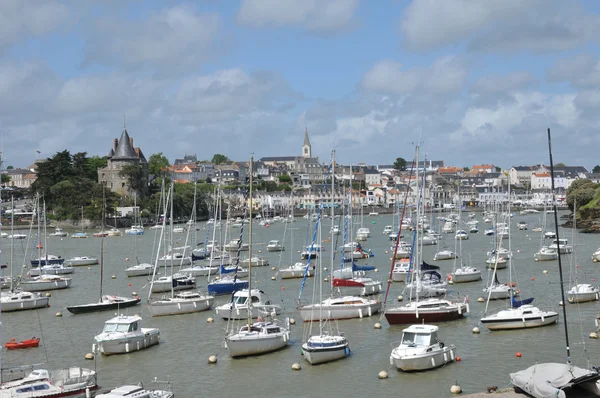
(399, 234)
(42, 336)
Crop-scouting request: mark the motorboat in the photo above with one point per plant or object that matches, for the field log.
(100, 234)
(238, 308)
(257, 338)
(596, 256)
(143, 269)
(17, 236)
(135, 230)
(45, 282)
(489, 231)
(256, 261)
(546, 254)
(345, 307)
(427, 310)
(501, 251)
(47, 259)
(364, 232)
(53, 269)
(235, 245)
(520, 317)
(58, 233)
(336, 230)
(473, 229)
(54, 383)
(325, 348)
(550, 235)
(388, 229)
(348, 247)
(181, 303)
(429, 240)
(308, 255)
(137, 391)
(106, 302)
(114, 232)
(403, 250)
(296, 270)
(561, 245)
(79, 235)
(178, 230)
(275, 246)
(420, 349)
(6, 282)
(461, 234)
(13, 344)
(444, 255)
(20, 301)
(465, 273)
(522, 226)
(401, 270)
(124, 334)
(582, 293)
(429, 285)
(173, 283)
(82, 260)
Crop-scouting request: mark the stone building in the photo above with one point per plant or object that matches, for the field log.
(122, 154)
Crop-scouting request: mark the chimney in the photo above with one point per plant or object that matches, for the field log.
(137, 152)
(131, 141)
(116, 142)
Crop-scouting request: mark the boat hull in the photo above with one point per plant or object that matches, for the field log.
(51, 271)
(82, 262)
(318, 355)
(226, 288)
(294, 273)
(518, 323)
(87, 308)
(250, 345)
(397, 317)
(241, 312)
(582, 297)
(139, 271)
(176, 307)
(37, 286)
(167, 286)
(466, 277)
(412, 363)
(22, 305)
(200, 271)
(329, 312)
(125, 346)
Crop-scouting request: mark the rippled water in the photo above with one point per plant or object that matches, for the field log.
(188, 340)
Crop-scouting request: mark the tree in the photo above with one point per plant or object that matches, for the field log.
(400, 164)
(10, 168)
(581, 190)
(220, 159)
(466, 168)
(5, 178)
(596, 169)
(93, 164)
(158, 164)
(560, 165)
(498, 169)
(133, 174)
(285, 179)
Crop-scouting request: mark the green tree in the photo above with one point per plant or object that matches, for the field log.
(560, 165)
(498, 169)
(133, 174)
(93, 164)
(581, 191)
(466, 168)
(158, 164)
(285, 179)
(400, 164)
(220, 159)
(9, 168)
(596, 169)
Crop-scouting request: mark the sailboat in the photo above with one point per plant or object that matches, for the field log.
(262, 336)
(137, 228)
(553, 379)
(546, 253)
(430, 309)
(328, 345)
(295, 269)
(184, 302)
(521, 314)
(105, 302)
(80, 234)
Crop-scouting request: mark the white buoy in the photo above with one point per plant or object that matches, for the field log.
(377, 325)
(59, 314)
(48, 294)
(292, 321)
(114, 277)
(325, 269)
(134, 293)
(376, 270)
(212, 359)
(89, 268)
(475, 330)
(383, 374)
(593, 335)
(273, 278)
(210, 320)
(560, 303)
(400, 298)
(126, 258)
(451, 282)
(545, 271)
(89, 356)
(326, 280)
(481, 299)
(455, 389)
(273, 269)
(296, 366)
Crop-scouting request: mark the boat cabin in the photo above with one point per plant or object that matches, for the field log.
(241, 297)
(122, 324)
(420, 335)
(261, 327)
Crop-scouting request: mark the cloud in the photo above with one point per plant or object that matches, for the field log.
(446, 75)
(321, 16)
(498, 25)
(581, 71)
(22, 19)
(171, 40)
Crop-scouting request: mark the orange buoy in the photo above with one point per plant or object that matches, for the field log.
(519, 355)
(129, 284)
(458, 359)
(39, 246)
(532, 279)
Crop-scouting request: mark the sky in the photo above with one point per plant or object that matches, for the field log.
(471, 82)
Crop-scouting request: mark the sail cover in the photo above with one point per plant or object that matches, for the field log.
(553, 379)
(517, 303)
(428, 267)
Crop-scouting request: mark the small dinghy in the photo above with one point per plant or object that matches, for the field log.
(15, 345)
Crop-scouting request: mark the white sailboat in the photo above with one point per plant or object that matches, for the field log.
(329, 344)
(259, 337)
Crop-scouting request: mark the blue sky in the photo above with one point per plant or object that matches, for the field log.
(475, 81)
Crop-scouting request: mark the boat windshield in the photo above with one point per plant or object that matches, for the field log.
(116, 327)
(410, 338)
(240, 300)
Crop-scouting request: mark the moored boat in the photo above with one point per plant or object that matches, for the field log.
(124, 334)
(420, 349)
(430, 310)
(346, 307)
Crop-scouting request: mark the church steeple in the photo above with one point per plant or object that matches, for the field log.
(306, 148)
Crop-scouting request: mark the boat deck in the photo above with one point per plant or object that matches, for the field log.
(509, 392)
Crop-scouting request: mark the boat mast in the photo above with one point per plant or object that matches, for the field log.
(12, 243)
(171, 237)
(562, 290)
(101, 242)
(250, 247)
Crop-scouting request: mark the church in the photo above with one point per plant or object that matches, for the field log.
(122, 154)
(305, 170)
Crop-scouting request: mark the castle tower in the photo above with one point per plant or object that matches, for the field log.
(306, 148)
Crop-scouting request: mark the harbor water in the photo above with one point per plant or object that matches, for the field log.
(186, 341)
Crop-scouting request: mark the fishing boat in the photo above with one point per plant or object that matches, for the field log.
(275, 246)
(58, 232)
(12, 344)
(420, 349)
(79, 261)
(137, 391)
(124, 334)
(49, 384)
(562, 246)
(262, 336)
